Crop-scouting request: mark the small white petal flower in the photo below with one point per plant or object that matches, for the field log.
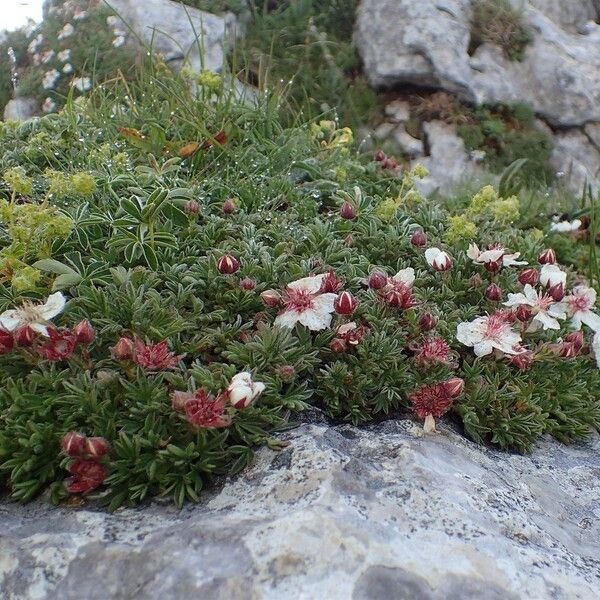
(596, 347)
(50, 78)
(49, 105)
(83, 84)
(35, 44)
(489, 333)
(68, 68)
(578, 305)
(64, 55)
(119, 41)
(32, 315)
(438, 259)
(47, 56)
(566, 226)
(544, 308)
(551, 275)
(67, 31)
(243, 391)
(405, 276)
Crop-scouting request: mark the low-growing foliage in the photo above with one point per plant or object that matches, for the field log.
(222, 271)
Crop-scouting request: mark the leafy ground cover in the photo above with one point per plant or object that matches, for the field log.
(182, 275)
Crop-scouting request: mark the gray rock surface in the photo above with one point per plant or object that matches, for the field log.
(179, 32)
(426, 43)
(380, 513)
(21, 109)
(571, 14)
(575, 155)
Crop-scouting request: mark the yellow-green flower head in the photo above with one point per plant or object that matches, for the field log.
(419, 171)
(387, 209)
(25, 279)
(209, 79)
(482, 199)
(413, 197)
(460, 228)
(59, 184)
(18, 181)
(507, 210)
(83, 184)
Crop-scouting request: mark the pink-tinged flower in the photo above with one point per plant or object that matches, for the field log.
(351, 333)
(418, 239)
(579, 304)
(60, 345)
(155, 357)
(243, 391)
(7, 341)
(528, 276)
(493, 292)
(430, 401)
(433, 350)
(544, 309)
(73, 443)
(438, 259)
(271, 298)
(227, 264)
(179, 400)
(345, 303)
(123, 349)
(551, 275)
(85, 332)
(96, 447)
(576, 338)
(338, 345)
(547, 257)
(398, 291)
(305, 304)
(192, 207)
(377, 280)
(522, 361)
(247, 284)
(25, 336)
(494, 258)
(331, 283)
(87, 476)
(205, 411)
(427, 321)
(347, 211)
(35, 316)
(489, 333)
(229, 206)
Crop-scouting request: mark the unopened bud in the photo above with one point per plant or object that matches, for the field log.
(229, 206)
(377, 280)
(547, 257)
(228, 264)
(529, 276)
(271, 298)
(493, 292)
(419, 239)
(347, 211)
(345, 303)
(427, 321)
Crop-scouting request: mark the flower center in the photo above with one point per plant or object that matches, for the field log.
(496, 327)
(299, 300)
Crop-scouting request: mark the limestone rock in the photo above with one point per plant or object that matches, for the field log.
(411, 146)
(577, 160)
(376, 513)
(398, 111)
(571, 14)
(21, 109)
(426, 43)
(179, 32)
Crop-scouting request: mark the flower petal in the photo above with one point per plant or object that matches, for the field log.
(310, 284)
(53, 306)
(406, 276)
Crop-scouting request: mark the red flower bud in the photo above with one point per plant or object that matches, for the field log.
(73, 443)
(475, 281)
(229, 206)
(192, 207)
(389, 163)
(567, 350)
(547, 257)
(337, 345)
(493, 266)
(123, 349)
(529, 276)
(377, 280)
(493, 292)
(427, 322)
(287, 373)
(228, 264)
(7, 341)
(87, 476)
(85, 332)
(557, 292)
(380, 156)
(331, 283)
(523, 313)
(418, 239)
(95, 447)
(347, 211)
(576, 338)
(454, 387)
(345, 303)
(271, 298)
(247, 284)
(522, 361)
(24, 336)
(349, 240)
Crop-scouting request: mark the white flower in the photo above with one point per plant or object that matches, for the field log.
(596, 347)
(32, 315)
(47, 56)
(405, 276)
(118, 41)
(79, 14)
(438, 259)
(37, 59)
(566, 226)
(50, 78)
(489, 333)
(551, 275)
(49, 105)
(242, 391)
(68, 68)
(83, 84)
(112, 21)
(579, 304)
(305, 304)
(35, 44)
(64, 55)
(494, 257)
(545, 310)
(67, 31)
(478, 155)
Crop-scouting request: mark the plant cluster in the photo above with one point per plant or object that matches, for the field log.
(221, 271)
(498, 22)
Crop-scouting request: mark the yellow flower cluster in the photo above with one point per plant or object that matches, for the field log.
(460, 228)
(328, 135)
(18, 181)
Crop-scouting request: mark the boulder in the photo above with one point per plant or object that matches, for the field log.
(570, 15)
(21, 109)
(179, 32)
(427, 42)
(577, 159)
(375, 513)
